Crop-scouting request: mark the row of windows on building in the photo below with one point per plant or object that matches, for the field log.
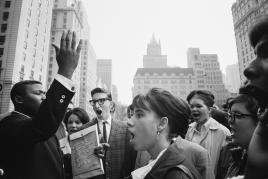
(31, 77)
(163, 81)
(182, 93)
(7, 4)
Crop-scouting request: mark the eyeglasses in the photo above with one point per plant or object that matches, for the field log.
(100, 101)
(233, 116)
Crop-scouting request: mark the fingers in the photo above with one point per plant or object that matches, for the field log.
(73, 40)
(56, 49)
(105, 145)
(62, 40)
(79, 47)
(69, 39)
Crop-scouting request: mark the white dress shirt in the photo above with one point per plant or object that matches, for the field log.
(108, 126)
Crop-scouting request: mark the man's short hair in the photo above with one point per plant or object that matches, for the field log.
(19, 88)
(258, 31)
(101, 90)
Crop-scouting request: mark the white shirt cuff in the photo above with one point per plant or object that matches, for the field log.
(67, 83)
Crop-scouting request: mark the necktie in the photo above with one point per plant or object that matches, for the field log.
(104, 131)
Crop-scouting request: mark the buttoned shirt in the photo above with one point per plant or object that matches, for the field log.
(212, 136)
(108, 126)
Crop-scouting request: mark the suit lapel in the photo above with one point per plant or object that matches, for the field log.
(113, 132)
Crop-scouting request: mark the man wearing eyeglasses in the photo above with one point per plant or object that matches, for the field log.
(115, 146)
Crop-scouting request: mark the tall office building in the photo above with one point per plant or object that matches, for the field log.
(115, 93)
(154, 57)
(245, 12)
(88, 75)
(104, 73)
(179, 81)
(68, 14)
(24, 44)
(208, 74)
(232, 78)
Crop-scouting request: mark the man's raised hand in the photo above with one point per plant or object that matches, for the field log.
(67, 55)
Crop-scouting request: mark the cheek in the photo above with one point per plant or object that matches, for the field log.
(79, 125)
(147, 133)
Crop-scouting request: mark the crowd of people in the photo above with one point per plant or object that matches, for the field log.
(165, 137)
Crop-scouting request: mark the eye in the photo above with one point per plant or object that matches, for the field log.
(139, 115)
(238, 115)
(261, 49)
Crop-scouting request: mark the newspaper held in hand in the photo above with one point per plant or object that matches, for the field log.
(84, 163)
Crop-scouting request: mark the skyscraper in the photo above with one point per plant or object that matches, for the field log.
(154, 57)
(245, 12)
(208, 74)
(24, 44)
(70, 14)
(232, 78)
(104, 73)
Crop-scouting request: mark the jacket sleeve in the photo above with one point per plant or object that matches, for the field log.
(45, 123)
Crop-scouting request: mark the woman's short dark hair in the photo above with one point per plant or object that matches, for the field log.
(81, 113)
(164, 104)
(204, 95)
(250, 102)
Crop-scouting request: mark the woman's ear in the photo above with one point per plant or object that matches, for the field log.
(162, 124)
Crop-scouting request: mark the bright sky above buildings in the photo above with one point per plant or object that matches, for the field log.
(121, 30)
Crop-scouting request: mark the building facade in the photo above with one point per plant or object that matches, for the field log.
(245, 12)
(208, 74)
(232, 78)
(154, 57)
(24, 44)
(115, 93)
(104, 73)
(179, 81)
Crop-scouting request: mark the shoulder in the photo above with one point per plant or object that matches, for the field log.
(119, 124)
(176, 173)
(13, 117)
(190, 146)
(215, 125)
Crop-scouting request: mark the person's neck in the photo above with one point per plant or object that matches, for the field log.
(158, 147)
(199, 124)
(104, 118)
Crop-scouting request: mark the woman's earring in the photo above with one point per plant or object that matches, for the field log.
(158, 133)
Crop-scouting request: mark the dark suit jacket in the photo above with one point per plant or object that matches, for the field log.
(29, 148)
(120, 158)
(166, 166)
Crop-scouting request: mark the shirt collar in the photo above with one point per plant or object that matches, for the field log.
(210, 124)
(109, 120)
(22, 114)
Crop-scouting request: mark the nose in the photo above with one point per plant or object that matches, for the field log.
(97, 105)
(130, 122)
(252, 71)
(43, 97)
(73, 125)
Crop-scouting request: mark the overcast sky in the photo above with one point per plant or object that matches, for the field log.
(121, 30)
